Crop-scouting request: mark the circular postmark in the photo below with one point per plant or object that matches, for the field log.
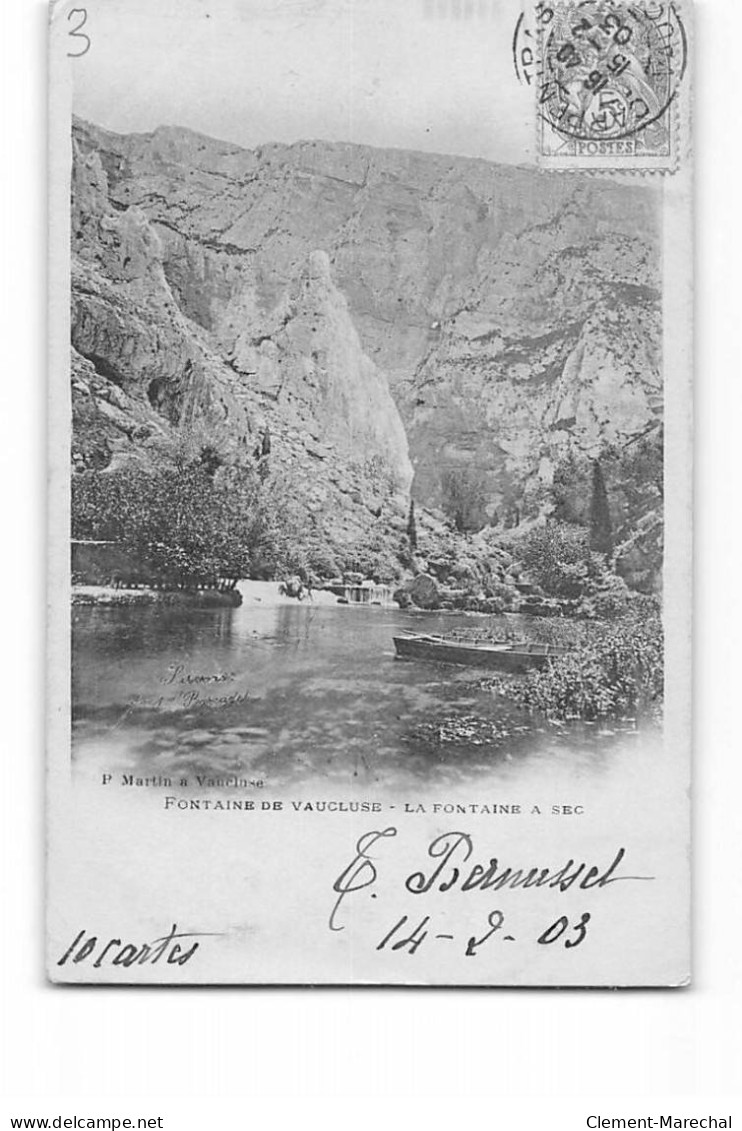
(603, 70)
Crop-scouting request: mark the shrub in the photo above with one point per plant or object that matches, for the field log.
(617, 672)
(608, 599)
(557, 558)
(371, 556)
(497, 590)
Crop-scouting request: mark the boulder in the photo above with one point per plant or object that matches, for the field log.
(440, 569)
(424, 592)
(402, 597)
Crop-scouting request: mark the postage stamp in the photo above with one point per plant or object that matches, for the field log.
(607, 78)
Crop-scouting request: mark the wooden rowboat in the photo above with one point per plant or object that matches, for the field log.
(506, 657)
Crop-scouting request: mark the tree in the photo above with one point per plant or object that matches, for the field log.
(182, 526)
(262, 452)
(210, 460)
(412, 526)
(464, 491)
(601, 531)
(557, 557)
(570, 489)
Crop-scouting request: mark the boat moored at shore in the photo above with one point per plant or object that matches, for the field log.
(503, 656)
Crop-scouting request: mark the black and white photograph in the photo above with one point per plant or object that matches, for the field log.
(370, 449)
(371, 497)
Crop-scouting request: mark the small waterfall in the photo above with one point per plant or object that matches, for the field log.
(382, 595)
(368, 593)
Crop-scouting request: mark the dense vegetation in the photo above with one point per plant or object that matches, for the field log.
(559, 559)
(609, 506)
(615, 671)
(194, 515)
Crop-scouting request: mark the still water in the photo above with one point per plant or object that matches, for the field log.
(300, 692)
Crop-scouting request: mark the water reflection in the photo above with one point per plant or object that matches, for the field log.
(296, 693)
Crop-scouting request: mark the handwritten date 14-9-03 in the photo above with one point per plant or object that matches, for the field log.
(403, 936)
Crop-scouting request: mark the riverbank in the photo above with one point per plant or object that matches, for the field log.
(266, 594)
(108, 596)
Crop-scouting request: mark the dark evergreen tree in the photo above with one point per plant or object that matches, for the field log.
(412, 526)
(263, 447)
(210, 460)
(263, 452)
(601, 531)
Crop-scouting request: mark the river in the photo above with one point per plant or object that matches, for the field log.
(299, 692)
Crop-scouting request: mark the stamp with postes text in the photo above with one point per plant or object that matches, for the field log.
(607, 78)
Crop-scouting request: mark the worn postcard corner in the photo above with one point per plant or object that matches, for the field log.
(370, 543)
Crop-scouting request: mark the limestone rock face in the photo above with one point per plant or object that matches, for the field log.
(148, 363)
(406, 311)
(306, 356)
(127, 324)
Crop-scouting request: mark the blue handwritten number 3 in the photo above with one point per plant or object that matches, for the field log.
(78, 33)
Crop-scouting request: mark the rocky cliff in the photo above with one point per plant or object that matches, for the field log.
(383, 311)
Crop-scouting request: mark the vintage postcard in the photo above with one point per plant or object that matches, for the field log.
(370, 465)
